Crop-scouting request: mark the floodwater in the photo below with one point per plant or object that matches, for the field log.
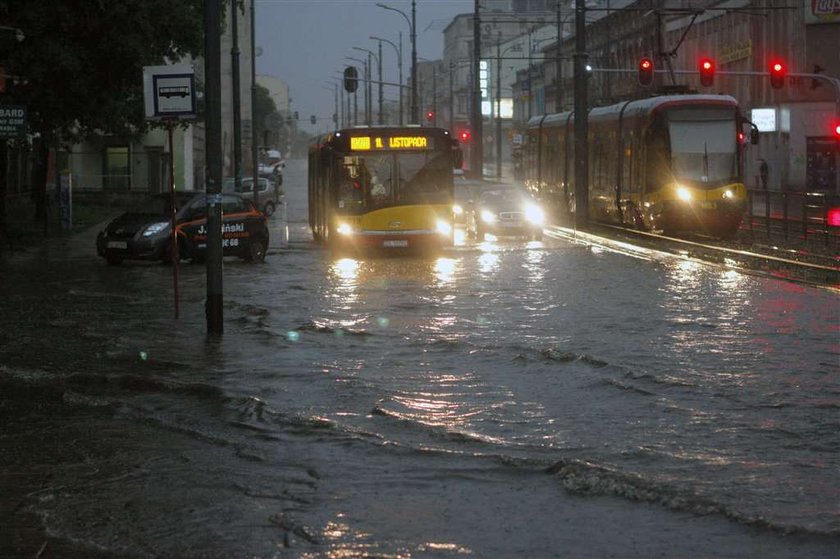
(510, 399)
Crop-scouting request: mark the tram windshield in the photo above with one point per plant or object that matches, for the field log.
(704, 151)
(373, 181)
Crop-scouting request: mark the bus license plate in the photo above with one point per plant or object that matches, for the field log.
(393, 243)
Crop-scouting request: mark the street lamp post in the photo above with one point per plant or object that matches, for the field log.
(399, 67)
(415, 116)
(379, 66)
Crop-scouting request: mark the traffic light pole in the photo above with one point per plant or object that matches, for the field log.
(581, 120)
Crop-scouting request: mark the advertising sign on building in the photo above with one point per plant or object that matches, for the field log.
(12, 121)
(822, 11)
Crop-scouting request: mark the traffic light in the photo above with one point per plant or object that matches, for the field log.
(297, 116)
(464, 136)
(777, 74)
(645, 71)
(313, 119)
(837, 133)
(351, 79)
(707, 72)
(430, 115)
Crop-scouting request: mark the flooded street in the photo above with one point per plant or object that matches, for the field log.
(505, 399)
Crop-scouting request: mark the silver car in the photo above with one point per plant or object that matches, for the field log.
(268, 195)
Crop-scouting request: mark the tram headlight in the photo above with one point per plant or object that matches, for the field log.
(487, 216)
(344, 228)
(534, 214)
(683, 193)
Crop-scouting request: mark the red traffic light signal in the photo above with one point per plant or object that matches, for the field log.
(464, 136)
(778, 71)
(430, 115)
(707, 72)
(645, 71)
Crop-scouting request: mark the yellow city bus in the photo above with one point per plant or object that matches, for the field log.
(383, 187)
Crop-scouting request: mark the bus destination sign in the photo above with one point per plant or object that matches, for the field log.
(376, 143)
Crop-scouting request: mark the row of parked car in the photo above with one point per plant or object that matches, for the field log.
(145, 232)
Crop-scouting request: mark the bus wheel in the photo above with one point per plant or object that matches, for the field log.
(256, 251)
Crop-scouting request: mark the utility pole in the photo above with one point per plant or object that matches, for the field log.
(255, 162)
(558, 94)
(237, 102)
(379, 66)
(415, 112)
(214, 305)
(581, 120)
(476, 151)
(499, 107)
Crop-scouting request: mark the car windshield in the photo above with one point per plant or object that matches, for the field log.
(506, 197)
(159, 204)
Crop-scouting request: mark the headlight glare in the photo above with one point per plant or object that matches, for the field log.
(683, 194)
(487, 216)
(729, 195)
(457, 210)
(155, 228)
(443, 227)
(534, 214)
(344, 229)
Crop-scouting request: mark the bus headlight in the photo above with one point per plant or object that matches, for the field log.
(683, 194)
(487, 216)
(534, 214)
(344, 229)
(729, 195)
(443, 227)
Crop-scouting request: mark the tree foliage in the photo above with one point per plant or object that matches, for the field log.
(82, 60)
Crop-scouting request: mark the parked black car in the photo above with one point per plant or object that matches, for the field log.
(145, 235)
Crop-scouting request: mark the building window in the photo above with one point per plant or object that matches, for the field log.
(117, 172)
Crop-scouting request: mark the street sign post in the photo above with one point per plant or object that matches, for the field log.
(169, 92)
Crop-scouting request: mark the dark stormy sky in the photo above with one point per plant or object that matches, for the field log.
(305, 42)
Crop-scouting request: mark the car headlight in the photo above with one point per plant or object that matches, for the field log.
(457, 210)
(344, 229)
(534, 214)
(683, 194)
(443, 227)
(487, 216)
(155, 228)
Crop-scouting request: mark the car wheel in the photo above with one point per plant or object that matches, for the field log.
(269, 209)
(113, 260)
(256, 251)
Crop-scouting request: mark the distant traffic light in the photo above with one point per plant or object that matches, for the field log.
(313, 119)
(777, 74)
(464, 136)
(430, 115)
(645, 71)
(707, 72)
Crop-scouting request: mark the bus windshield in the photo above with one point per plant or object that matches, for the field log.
(703, 150)
(373, 181)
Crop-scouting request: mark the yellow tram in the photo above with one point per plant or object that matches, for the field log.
(670, 163)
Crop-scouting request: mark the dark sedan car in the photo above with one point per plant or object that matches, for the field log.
(506, 212)
(146, 235)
